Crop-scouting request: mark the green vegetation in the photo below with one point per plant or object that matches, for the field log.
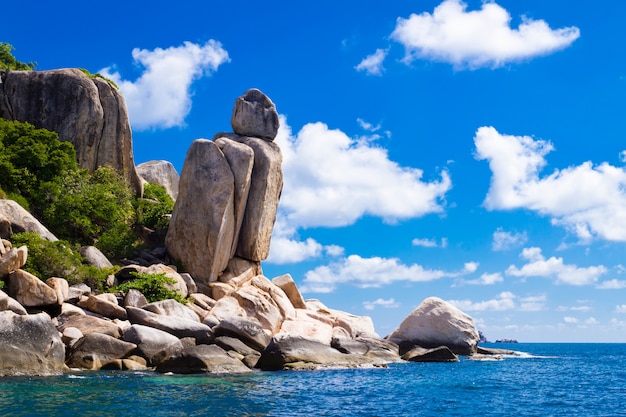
(8, 61)
(58, 259)
(154, 208)
(152, 286)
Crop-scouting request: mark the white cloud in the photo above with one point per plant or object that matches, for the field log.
(534, 303)
(485, 279)
(620, 308)
(369, 273)
(373, 64)
(583, 308)
(161, 96)
(588, 200)
(332, 180)
(478, 38)
(538, 266)
(430, 243)
(390, 303)
(504, 301)
(570, 320)
(612, 284)
(503, 241)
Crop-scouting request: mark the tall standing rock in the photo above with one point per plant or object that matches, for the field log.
(88, 112)
(202, 228)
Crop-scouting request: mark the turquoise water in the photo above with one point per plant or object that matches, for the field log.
(547, 380)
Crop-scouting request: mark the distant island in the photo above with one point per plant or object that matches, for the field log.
(506, 341)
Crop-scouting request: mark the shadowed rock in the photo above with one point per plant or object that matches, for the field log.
(16, 219)
(210, 359)
(254, 114)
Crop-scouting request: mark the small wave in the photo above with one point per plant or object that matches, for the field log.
(525, 355)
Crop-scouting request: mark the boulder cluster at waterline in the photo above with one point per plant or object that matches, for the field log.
(230, 317)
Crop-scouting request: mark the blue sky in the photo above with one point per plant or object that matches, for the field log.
(471, 150)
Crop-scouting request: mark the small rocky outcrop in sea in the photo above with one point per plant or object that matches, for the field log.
(88, 112)
(161, 173)
(434, 323)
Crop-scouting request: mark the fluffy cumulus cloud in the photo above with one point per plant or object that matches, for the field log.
(161, 96)
(430, 243)
(380, 302)
(589, 200)
(504, 301)
(503, 241)
(477, 38)
(373, 64)
(538, 266)
(371, 273)
(332, 180)
(485, 279)
(611, 284)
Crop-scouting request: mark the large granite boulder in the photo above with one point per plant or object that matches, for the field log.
(296, 353)
(88, 324)
(161, 173)
(210, 359)
(29, 345)
(12, 260)
(177, 326)
(153, 344)
(96, 349)
(254, 114)
(202, 227)
(88, 112)
(30, 291)
(435, 323)
(16, 219)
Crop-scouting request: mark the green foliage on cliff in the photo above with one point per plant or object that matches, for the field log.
(30, 156)
(58, 259)
(152, 286)
(8, 61)
(154, 208)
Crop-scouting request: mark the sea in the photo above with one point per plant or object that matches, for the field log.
(558, 379)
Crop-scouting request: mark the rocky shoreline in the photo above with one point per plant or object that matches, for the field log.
(230, 317)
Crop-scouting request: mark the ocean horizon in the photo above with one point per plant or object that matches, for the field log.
(541, 379)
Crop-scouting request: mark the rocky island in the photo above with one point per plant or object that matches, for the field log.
(228, 317)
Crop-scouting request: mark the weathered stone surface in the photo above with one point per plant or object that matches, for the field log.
(88, 112)
(240, 158)
(371, 347)
(177, 326)
(103, 307)
(180, 286)
(12, 260)
(9, 303)
(263, 197)
(71, 335)
(289, 352)
(78, 290)
(202, 300)
(210, 359)
(153, 344)
(287, 284)
(275, 294)
(259, 305)
(160, 173)
(308, 325)
(61, 287)
(16, 219)
(227, 307)
(88, 324)
(240, 271)
(134, 298)
(438, 354)
(437, 323)
(355, 325)
(248, 331)
(254, 114)
(96, 349)
(29, 290)
(201, 231)
(29, 345)
(95, 257)
(190, 282)
(172, 308)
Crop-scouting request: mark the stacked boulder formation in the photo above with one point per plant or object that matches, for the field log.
(232, 318)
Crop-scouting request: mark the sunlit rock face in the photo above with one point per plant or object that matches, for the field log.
(88, 112)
